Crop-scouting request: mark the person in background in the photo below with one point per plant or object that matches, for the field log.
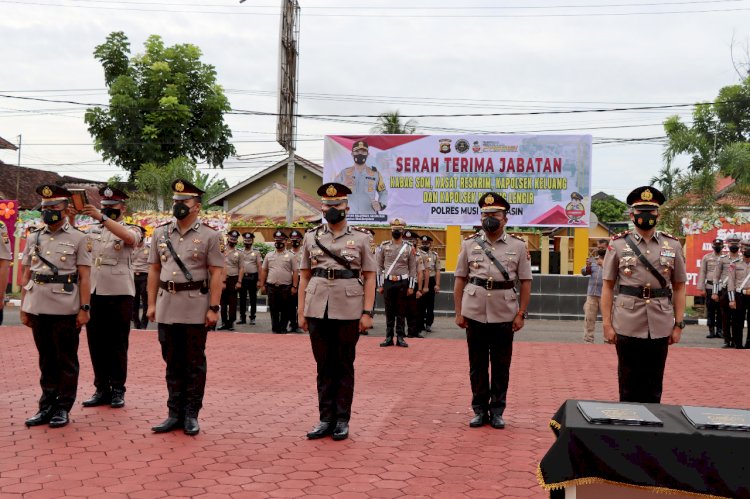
(706, 286)
(140, 280)
(721, 291)
(593, 269)
(295, 236)
(5, 259)
(430, 284)
(233, 270)
(251, 264)
(279, 276)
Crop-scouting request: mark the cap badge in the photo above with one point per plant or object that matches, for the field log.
(179, 187)
(489, 200)
(647, 195)
(47, 192)
(331, 191)
(108, 192)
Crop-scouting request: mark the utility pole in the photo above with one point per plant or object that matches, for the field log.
(18, 163)
(286, 127)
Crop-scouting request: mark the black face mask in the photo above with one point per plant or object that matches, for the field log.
(396, 234)
(491, 224)
(51, 217)
(334, 215)
(718, 248)
(231, 244)
(360, 158)
(645, 221)
(180, 211)
(746, 253)
(425, 248)
(601, 252)
(280, 245)
(112, 213)
(733, 248)
(295, 244)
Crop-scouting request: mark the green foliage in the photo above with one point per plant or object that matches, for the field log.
(390, 123)
(609, 210)
(163, 104)
(154, 183)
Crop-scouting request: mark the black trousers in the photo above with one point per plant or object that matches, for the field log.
(413, 326)
(183, 348)
(426, 305)
(56, 340)
(249, 287)
(229, 300)
(108, 335)
(727, 316)
(741, 318)
(278, 306)
(394, 294)
(713, 313)
(640, 368)
(292, 314)
(490, 343)
(140, 300)
(334, 346)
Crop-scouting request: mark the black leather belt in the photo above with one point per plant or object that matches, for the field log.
(336, 273)
(491, 283)
(140, 274)
(709, 282)
(645, 292)
(56, 279)
(272, 285)
(250, 275)
(174, 287)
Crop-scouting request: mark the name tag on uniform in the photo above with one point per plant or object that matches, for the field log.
(511, 253)
(351, 243)
(668, 254)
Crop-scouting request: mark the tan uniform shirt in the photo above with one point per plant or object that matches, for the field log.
(111, 271)
(737, 274)
(721, 272)
(634, 316)
(232, 261)
(344, 298)
(67, 248)
(431, 262)
(492, 305)
(251, 261)
(280, 267)
(199, 247)
(5, 252)
(707, 270)
(406, 261)
(140, 259)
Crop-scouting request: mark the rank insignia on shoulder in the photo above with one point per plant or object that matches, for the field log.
(667, 234)
(222, 246)
(621, 235)
(518, 237)
(203, 222)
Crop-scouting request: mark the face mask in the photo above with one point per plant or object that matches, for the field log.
(360, 158)
(425, 248)
(334, 215)
(396, 234)
(645, 221)
(601, 252)
(746, 253)
(51, 217)
(230, 243)
(295, 244)
(180, 211)
(491, 224)
(733, 248)
(280, 245)
(718, 248)
(112, 213)
(248, 243)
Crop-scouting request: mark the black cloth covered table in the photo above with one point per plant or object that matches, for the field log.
(676, 456)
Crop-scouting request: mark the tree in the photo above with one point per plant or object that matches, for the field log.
(163, 104)
(609, 210)
(666, 180)
(390, 123)
(154, 182)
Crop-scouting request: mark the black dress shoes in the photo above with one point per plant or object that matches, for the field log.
(400, 342)
(388, 342)
(118, 399)
(98, 398)
(478, 420)
(321, 430)
(40, 418)
(59, 419)
(341, 432)
(428, 329)
(242, 321)
(169, 424)
(191, 425)
(252, 322)
(496, 421)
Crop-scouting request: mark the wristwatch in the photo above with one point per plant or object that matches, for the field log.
(214, 308)
(104, 218)
(680, 324)
(368, 312)
(523, 314)
(86, 307)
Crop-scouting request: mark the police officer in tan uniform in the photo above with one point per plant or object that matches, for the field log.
(140, 281)
(55, 303)
(184, 290)
(251, 264)
(336, 300)
(648, 268)
(430, 283)
(5, 259)
(279, 275)
(487, 306)
(706, 286)
(739, 295)
(112, 292)
(295, 236)
(233, 270)
(413, 324)
(721, 291)
(396, 279)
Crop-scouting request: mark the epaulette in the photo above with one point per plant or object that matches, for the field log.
(620, 235)
(361, 229)
(163, 224)
(667, 234)
(204, 223)
(35, 228)
(518, 237)
(472, 236)
(316, 228)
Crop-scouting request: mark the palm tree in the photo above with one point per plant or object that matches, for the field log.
(666, 180)
(390, 123)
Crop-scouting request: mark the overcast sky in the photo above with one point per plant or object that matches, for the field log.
(371, 56)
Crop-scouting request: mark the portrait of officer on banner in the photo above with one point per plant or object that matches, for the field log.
(369, 196)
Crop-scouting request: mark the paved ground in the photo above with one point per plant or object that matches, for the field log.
(410, 436)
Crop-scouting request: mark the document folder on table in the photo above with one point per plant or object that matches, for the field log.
(715, 418)
(618, 414)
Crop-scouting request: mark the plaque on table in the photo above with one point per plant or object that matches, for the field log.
(618, 414)
(715, 418)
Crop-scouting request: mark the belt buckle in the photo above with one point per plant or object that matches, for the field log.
(488, 283)
(394, 278)
(646, 295)
(171, 287)
(98, 261)
(330, 274)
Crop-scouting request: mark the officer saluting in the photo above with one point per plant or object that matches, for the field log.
(55, 303)
(251, 264)
(336, 299)
(233, 281)
(184, 289)
(486, 304)
(397, 278)
(647, 315)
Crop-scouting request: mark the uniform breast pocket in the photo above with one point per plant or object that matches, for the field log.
(626, 302)
(350, 255)
(667, 261)
(475, 261)
(355, 291)
(196, 253)
(65, 256)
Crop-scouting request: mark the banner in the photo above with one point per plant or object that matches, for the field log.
(8, 216)
(700, 233)
(437, 180)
